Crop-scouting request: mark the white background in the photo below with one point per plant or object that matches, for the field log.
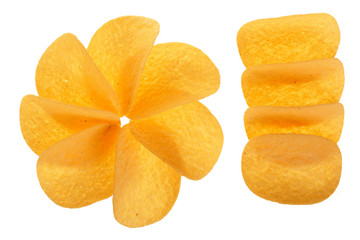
(220, 206)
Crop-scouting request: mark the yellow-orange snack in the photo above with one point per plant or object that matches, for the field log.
(79, 170)
(120, 49)
(294, 84)
(288, 39)
(291, 168)
(66, 73)
(177, 137)
(146, 188)
(74, 123)
(44, 121)
(325, 120)
(161, 89)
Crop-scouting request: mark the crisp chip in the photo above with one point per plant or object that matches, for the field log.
(291, 168)
(294, 84)
(188, 138)
(120, 49)
(175, 74)
(288, 39)
(145, 188)
(66, 73)
(325, 120)
(79, 170)
(45, 122)
(74, 125)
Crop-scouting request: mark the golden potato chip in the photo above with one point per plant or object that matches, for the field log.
(294, 84)
(325, 120)
(67, 74)
(74, 125)
(79, 170)
(291, 168)
(175, 74)
(145, 188)
(288, 39)
(120, 49)
(45, 122)
(188, 138)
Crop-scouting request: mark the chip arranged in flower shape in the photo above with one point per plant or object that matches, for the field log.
(79, 170)
(85, 155)
(313, 82)
(161, 89)
(288, 39)
(120, 49)
(291, 168)
(66, 73)
(45, 122)
(325, 120)
(146, 188)
(177, 137)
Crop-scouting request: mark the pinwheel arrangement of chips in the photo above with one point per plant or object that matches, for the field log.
(292, 86)
(74, 124)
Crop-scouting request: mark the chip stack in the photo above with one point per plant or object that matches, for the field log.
(292, 86)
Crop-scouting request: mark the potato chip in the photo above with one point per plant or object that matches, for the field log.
(188, 138)
(67, 74)
(120, 49)
(145, 188)
(79, 170)
(291, 168)
(325, 120)
(45, 122)
(175, 74)
(288, 39)
(294, 84)
(85, 156)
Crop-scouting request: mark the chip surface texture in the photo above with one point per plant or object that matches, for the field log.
(288, 39)
(313, 82)
(325, 120)
(291, 168)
